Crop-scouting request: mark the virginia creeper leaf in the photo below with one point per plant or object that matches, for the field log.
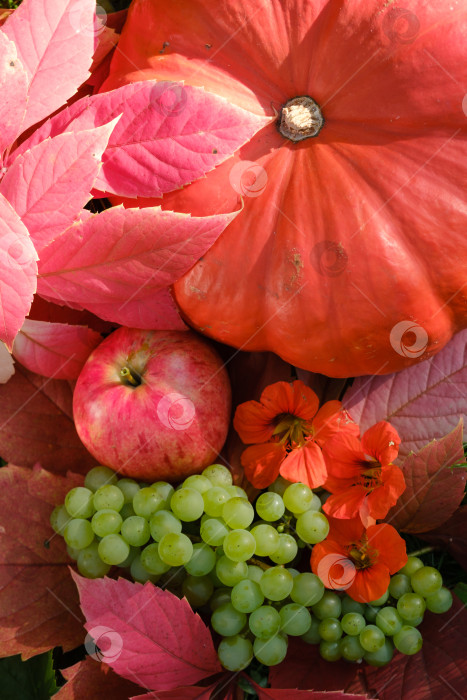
(170, 134)
(33, 679)
(192, 692)
(18, 270)
(304, 668)
(13, 89)
(437, 672)
(7, 364)
(452, 536)
(42, 310)
(422, 402)
(433, 490)
(164, 644)
(55, 43)
(290, 694)
(38, 601)
(49, 184)
(54, 349)
(121, 255)
(36, 424)
(92, 680)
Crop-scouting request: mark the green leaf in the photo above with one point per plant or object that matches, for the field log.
(33, 679)
(461, 591)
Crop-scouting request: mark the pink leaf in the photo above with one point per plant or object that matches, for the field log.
(169, 135)
(156, 312)
(123, 255)
(18, 270)
(193, 692)
(7, 365)
(13, 88)
(433, 490)
(90, 680)
(422, 402)
(55, 43)
(49, 184)
(162, 643)
(54, 349)
(290, 694)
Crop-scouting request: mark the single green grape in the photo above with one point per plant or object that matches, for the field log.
(408, 640)
(198, 482)
(426, 581)
(73, 553)
(330, 629)
(78, 533)
(90, 564)
(314, 505)
(164, 490)
(106, 522)
(398, 585)
(214, 500)
(79, 502)
(113, 549)
(236, 492)
(135, 531)
(351, 649)
(227, 621)
(270, 506)
(410, 607)
(197, 590)
(265, 622)
(330, 651)
(353, 623)
(238, 513)
(213, 531)
(286, 550)
(308, 589)
(246, 596)
(175, 548)
(203, 560)
(59, 518)
(412, 565)
(371, 638)
(329, 605)
(276, 583)
(151, 560)
(162, 522)
(312, 527)
(129, 487)
(297, 497)
(231, 572)
(187, 504)
(108, 496)
(239, 545)
(235, 653)
(148, 501)
(99, 476)
(267, 539)
(389, 621)
(270, 651)
(295, 619)
(382, 656)
(440, 601)
(218, 475)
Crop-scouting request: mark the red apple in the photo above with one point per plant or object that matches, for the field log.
(153, 405)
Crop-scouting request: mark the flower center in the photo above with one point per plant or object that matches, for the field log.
(370, 478)
(300, 118)
(362, 555)
(292, 431)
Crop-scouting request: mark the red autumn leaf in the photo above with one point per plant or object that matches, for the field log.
(192, 692)
(54, 349)
(163, 643)
(92, 680)
(42, 310)
(422, 402)
(289, 694)
(452, 536)
(304, 668)
(39, 607)
(437, 672)
(36, 424)
(433, 490)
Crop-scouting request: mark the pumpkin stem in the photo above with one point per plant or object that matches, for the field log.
(301, 118)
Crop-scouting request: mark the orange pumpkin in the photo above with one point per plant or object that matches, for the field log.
(350, 254)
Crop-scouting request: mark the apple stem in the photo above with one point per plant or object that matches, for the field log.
(129, 376)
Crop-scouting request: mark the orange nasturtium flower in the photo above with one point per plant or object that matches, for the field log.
(358, 561)
(361, 476)
(286, 432)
